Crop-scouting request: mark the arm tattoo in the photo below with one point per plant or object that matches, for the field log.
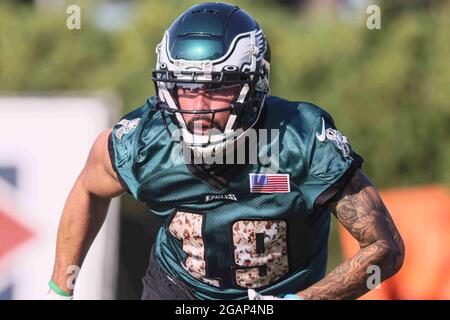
(362, 212)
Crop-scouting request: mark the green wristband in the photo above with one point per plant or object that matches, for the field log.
(57, 289)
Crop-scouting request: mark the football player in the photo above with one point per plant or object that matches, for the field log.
(234, 227)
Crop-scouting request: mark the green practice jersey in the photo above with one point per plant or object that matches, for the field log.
(241, 226)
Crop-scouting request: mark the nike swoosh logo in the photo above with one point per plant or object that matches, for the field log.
(322, 135)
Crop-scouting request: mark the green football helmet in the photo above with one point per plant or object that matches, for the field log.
(212, 46)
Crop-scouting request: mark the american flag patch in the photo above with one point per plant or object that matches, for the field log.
(269, 183)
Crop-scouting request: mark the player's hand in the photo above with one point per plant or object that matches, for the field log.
(55, 293)
(52, 295)
(253, 295)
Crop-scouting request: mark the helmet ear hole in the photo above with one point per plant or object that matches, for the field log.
(230, 68)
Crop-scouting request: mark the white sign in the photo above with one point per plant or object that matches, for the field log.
(46, 141)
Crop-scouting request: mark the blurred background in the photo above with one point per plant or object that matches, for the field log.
(388, 90)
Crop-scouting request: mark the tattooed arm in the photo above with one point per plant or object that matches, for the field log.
(362, 212)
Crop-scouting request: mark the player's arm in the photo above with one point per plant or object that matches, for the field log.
(85, 210)
(361, 211)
